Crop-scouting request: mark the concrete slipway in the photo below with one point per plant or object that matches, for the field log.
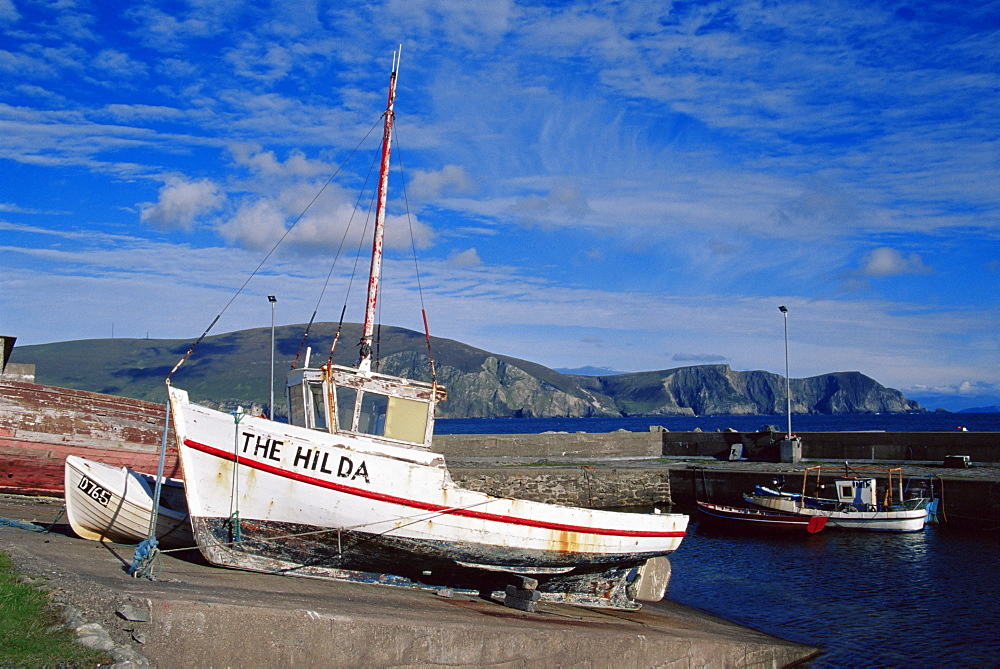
(196, 615)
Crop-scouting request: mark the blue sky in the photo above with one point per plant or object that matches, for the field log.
(627, 185)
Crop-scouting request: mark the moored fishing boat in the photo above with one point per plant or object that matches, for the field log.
(758, 520)
(352, 489)
(115, 504)
(856, 506)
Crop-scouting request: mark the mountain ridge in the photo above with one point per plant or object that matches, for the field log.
(234, 368)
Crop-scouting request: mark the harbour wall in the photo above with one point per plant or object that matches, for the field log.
(981, 447)
(620, 444)
(584, 486)
(643, 469)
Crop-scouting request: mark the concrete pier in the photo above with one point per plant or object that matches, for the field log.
(198, 615)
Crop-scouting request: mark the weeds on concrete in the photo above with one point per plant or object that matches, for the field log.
(31, 633)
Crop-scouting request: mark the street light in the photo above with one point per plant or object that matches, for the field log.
(272, 299)
(788, 384)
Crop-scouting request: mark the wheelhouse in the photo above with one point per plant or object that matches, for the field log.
(350, 401)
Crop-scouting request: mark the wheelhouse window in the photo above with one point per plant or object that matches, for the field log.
(346, 399)
(318, 406)
(382, 415)
(371, 419)
(306, 403)
(296, 406)
(406, 420)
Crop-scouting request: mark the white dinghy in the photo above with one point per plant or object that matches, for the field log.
(115, 504)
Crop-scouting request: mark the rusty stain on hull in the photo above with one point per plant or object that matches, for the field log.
(40, 425)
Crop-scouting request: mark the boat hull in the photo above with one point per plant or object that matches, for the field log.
(911, 520)
(41, 425)
(757, 521)
(114, 504)
(260, 491)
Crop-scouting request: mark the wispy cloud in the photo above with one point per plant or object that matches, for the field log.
(650, 178)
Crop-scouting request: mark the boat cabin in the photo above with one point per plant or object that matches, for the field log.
(856, 491)
(346, 400)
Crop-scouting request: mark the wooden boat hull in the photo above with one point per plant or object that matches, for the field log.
(114, 504)
(274, 497)
(912, 520)
(757, 520)
(41, 425)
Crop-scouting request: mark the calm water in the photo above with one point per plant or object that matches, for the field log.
(925, 422)
(928, 599)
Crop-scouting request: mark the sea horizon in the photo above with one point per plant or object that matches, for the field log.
(885, 422)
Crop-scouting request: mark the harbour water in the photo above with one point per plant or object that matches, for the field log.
(927, 599)
(917, 422)
(866, 599)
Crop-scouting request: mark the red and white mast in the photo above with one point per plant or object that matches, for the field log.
(383, 187)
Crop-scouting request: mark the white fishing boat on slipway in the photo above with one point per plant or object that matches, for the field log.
(856, 507)
(351, 488)
(115, 504)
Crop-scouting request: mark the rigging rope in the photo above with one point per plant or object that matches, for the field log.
(271, 252)
(416, 267)
(336, 257)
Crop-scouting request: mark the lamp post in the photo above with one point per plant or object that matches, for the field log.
(788, 383)
(272, 299)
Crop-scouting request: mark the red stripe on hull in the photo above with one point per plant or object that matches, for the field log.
(426, 506)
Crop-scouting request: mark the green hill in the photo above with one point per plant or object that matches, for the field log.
(234, 368)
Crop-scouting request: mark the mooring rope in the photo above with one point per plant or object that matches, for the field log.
(30, 526)
(21, 525)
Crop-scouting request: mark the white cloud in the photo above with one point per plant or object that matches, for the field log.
(181, 203)
(465, 259)
(698, 357)
(563, 205)
(255, 225)
(8, 12)
(12, 208)
(260, 60)
(119, 64)
(431, 184)
(165, 31)
(683, 161)
(887, 261)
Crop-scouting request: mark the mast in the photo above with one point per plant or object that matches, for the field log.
(375, 273)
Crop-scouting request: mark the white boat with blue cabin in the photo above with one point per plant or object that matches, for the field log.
(856, 506)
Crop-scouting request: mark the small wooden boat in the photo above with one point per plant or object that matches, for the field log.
(758, 520)
(105, 503)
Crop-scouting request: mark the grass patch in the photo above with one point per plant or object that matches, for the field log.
(31, 634)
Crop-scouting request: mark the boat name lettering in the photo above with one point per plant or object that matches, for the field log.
(318, 460)
(268, 448)
(94, 491)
